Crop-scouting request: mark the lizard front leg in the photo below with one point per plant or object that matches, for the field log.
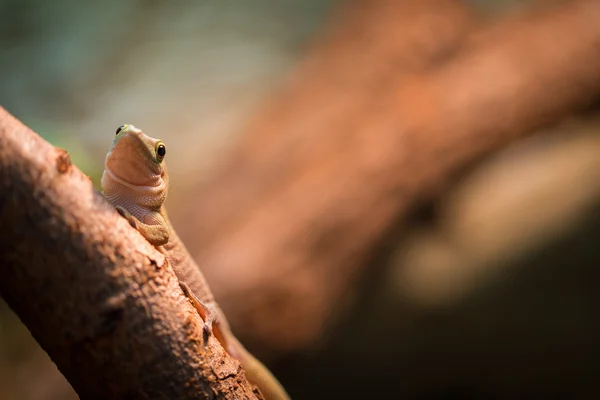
(156, 234)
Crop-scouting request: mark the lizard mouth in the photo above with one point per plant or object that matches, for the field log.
(158, 184)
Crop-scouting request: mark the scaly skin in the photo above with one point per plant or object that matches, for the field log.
(135, 181)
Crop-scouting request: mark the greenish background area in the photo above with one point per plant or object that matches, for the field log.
(186, 72)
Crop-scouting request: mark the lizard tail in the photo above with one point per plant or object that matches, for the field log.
(256, 372)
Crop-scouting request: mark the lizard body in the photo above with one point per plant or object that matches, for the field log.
(135, 181)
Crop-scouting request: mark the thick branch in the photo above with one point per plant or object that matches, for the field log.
(337, 159)
(97, 297)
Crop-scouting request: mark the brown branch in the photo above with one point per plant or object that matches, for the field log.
(337, 159)
(97, 297)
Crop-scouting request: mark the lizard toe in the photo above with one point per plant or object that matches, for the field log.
(207, 329)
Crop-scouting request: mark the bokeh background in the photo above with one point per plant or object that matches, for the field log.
(487, 287)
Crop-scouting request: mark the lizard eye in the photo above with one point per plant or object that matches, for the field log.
(161, 151)
(119, 129)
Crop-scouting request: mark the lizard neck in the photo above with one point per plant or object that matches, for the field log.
(134, 198)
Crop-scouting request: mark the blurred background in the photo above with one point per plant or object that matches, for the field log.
(352, 267)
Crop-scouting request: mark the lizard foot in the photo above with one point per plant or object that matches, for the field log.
(207, 311)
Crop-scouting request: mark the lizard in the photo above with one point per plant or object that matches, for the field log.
(135, 182)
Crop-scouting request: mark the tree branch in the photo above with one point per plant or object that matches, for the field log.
(98, 298)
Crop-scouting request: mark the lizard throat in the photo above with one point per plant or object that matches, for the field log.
(146, 196)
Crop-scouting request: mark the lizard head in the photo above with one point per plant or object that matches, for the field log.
(136, 158)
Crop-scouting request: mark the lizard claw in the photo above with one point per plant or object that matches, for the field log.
(207, 329)
(210, 318)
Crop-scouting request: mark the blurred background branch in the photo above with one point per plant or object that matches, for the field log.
(334, 162)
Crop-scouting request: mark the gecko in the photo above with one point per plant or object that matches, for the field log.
(135, 182)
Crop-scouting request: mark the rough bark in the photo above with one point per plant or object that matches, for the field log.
(96, 296)
(359, 135)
